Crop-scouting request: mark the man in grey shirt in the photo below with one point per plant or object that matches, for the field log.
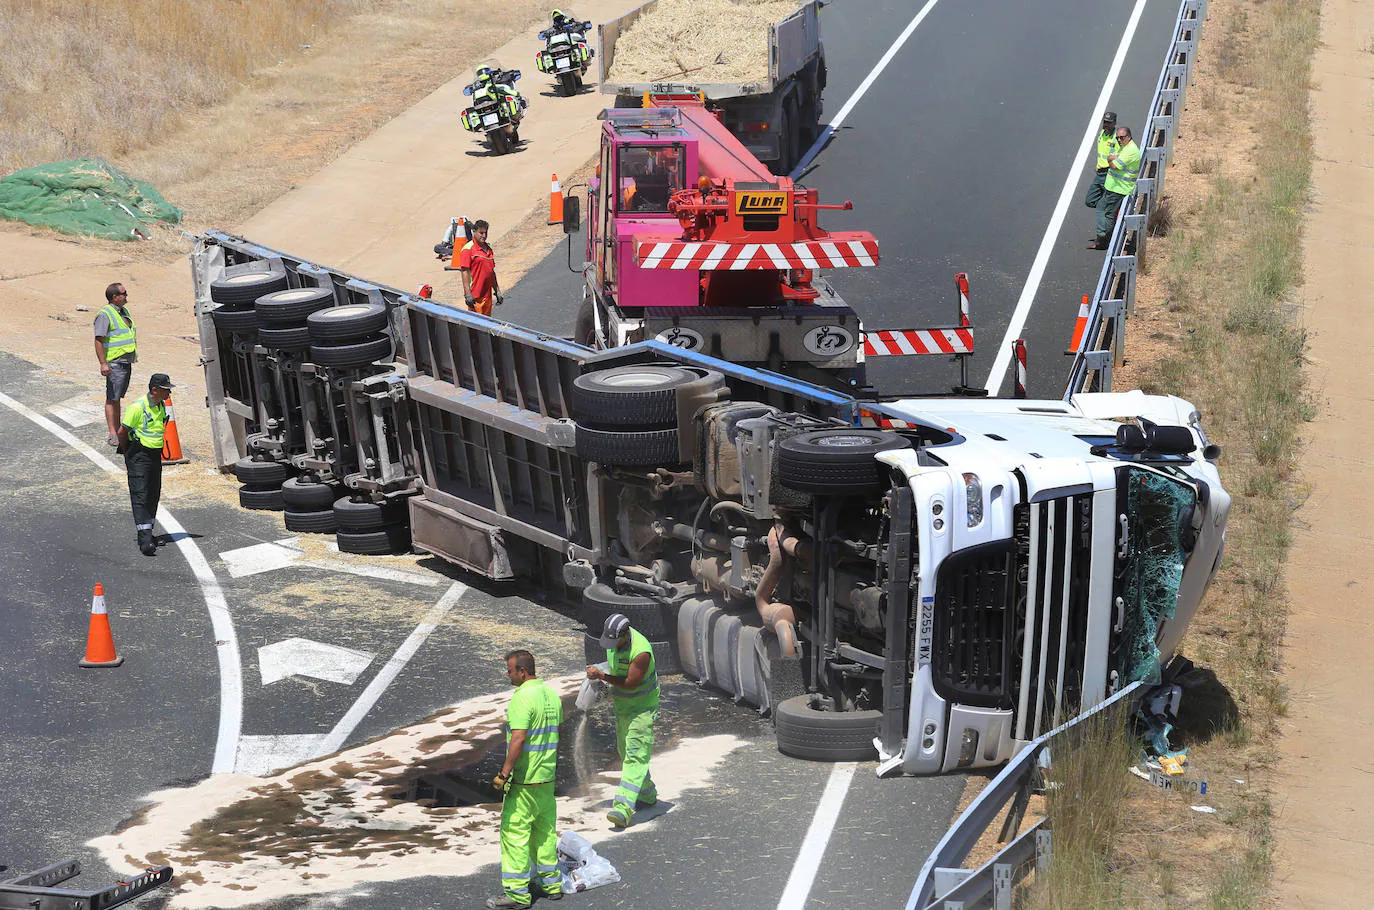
(116, 350)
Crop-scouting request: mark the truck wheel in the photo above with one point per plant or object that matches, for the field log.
(836, 461)
(638, 397)
(242, 322)
(628, 450)
(347, 323)
(308, 495)
(261, 473)
(804, 731)
(267, 498)
(290, 308)
(381, 542)
(239, 292)
(650, 617)
(347, 356)
(317, 522)
(365, 516)
(284, 338)
(584, 330)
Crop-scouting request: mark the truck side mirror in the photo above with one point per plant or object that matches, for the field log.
(572, 214)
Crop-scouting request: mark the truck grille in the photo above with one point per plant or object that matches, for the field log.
(1054, 557)
(973, 628)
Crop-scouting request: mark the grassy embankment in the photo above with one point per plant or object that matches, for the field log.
(1217, 303)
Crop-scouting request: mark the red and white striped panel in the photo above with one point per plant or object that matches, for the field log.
(878, 421)
(918, 341)
(708, 256)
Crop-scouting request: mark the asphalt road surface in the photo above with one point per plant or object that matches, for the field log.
(955, 157)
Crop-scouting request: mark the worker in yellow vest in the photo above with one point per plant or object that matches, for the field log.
(116, 350)
(529, 818)
(633, 677)
(140, 439)
(1106, 145)
(1123, 167)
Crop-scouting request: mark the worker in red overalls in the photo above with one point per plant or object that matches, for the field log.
(477, 266)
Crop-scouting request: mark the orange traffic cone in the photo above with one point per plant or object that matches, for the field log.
(1079, 326)
(100, 649)
(171, 441)
(555, 202)
(460, 237)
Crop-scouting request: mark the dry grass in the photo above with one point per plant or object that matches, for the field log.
(225, 105)
(1215, 317)
(700, 40)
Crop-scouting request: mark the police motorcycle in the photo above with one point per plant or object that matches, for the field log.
(566, 55)
(497, 108)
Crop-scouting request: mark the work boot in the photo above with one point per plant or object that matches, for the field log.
(619, 816)
(146, 544)
(555, 896)
(504, 902)
(646, 802)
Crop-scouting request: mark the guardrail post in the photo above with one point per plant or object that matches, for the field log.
(1001, 886)
(947, 879)
(1044, 847)
(1126, 267)
(1099, 362)
(1174, 99)
(1138, 224)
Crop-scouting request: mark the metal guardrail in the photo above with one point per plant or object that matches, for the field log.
(1113, 301)
(944, 884)
(39, 891)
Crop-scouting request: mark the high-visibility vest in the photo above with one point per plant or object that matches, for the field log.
(1106, 145)
(536, 709)
(645, 695)
(1124, 170)
(146, 422)
(121, 339)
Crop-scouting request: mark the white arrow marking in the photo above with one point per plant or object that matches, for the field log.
(303, 657)
(261, 755)
(78, 411)
(286, 553)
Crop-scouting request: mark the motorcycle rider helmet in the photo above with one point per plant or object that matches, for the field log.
(483, 74)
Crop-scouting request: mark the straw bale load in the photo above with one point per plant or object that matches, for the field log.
(700, 41)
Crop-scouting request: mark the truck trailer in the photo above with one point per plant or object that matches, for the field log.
(926, 582)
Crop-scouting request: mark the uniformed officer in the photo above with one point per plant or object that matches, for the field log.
(634, 685)
(140, 438)
(529, 839)
(1123, 167)
(1106, 145)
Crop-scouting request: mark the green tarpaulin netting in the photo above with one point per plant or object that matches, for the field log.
(88, 197)
(1159, 510)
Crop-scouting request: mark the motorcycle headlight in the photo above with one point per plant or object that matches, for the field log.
(973, 496)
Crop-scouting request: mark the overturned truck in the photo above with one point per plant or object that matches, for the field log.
(927, 582)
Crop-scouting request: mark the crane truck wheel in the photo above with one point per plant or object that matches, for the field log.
(347, 356)
(651, 617)
(346, 323)
(627, 449)
(804, 730)
(266, 498)
(836, 461)
(261, 473)
(584, 330)
(238, 292)
(242, 322)
(290, 308)
(633, 397)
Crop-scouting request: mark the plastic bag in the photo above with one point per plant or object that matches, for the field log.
(575, 848)
(598, 871)
(581, 866)
(592, 690)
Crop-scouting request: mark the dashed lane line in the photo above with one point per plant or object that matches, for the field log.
(221, 621)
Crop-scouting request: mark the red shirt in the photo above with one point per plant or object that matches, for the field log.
(480, 261)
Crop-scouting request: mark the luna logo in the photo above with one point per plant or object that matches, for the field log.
(760, 203)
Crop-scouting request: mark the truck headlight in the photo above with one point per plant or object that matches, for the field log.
(973, 494)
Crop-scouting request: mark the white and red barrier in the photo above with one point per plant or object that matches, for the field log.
(900, 342)
(705, 255)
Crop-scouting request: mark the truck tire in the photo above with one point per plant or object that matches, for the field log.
(633, 397)
(347, 323)
(355, 354)
(290, 308)
(308, 495)
(650, 617)
(803, 731)
(366, 516)
(627, 450)
(261, 473)
(264, 498)
(584, 330)
(240, 291)
(836, 461)
(317, 522)
(288, 339)
(383, 541)
(241, 322)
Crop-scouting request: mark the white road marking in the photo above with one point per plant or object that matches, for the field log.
(221, 621)
(1042, 257)
(303, 657)
(288, 553)
(834, 124)
(817, 836)
(78, 411)
(262, 755)
(346, 725)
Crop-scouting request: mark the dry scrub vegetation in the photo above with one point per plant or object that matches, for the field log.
(1215, 321)
(225, 104)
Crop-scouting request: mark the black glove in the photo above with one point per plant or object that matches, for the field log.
(497, 298)
(469, 300)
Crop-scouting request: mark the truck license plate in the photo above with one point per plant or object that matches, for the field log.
(489, 119)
